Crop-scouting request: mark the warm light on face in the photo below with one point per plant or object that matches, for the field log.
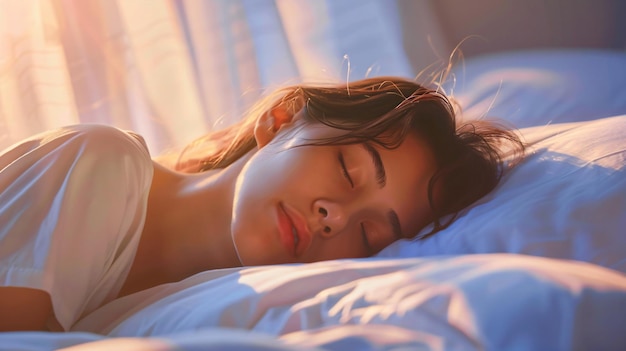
(341, 201)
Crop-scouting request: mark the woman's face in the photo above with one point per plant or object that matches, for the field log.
(314, 203)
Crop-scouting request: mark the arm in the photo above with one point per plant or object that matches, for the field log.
(24, 309)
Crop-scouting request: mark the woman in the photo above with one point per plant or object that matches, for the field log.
(313, 173)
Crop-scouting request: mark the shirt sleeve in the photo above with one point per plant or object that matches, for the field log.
(72, 207)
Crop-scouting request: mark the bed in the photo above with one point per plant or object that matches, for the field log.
(538, 264)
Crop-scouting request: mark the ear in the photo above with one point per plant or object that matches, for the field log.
(268, 125)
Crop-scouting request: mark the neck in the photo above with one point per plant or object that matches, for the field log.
(187, 227)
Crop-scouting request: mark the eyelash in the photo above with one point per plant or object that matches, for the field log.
(344, 169)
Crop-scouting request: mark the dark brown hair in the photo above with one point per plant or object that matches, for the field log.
(470, 155)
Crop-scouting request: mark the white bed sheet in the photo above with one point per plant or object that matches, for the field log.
(467, 302)
(566, 202)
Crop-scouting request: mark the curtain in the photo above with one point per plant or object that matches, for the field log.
(173, 70)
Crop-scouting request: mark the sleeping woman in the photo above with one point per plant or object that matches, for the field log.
(312, 173)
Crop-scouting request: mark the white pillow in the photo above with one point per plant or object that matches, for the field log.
(566, 200)
(542, 87)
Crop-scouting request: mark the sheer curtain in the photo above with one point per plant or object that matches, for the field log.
(172, 70)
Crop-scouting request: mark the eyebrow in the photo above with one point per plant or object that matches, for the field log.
(392, 216)
(381, 175)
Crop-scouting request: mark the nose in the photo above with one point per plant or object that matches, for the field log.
(331, 216)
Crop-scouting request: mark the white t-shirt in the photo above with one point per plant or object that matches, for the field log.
(72, 208)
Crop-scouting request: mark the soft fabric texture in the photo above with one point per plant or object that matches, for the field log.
(72, 206)
(566, 200)
(466, 302)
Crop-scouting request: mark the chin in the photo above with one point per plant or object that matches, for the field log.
(254, 259)
(252, 255)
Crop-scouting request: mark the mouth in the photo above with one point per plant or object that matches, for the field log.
(296, 238)
(294, 233)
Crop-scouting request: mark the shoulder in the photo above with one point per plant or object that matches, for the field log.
(85, 158)
(79, 150)
(101, 153)
(81, 138)
(95, 136)
(67, 194)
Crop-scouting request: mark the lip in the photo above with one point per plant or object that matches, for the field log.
(284, 229)
(288, 218)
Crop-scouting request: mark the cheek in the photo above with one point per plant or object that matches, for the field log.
(267, 179)
(262, 175)
(254, 249)
(274, 171)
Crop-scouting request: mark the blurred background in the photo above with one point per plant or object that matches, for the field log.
(173, 70)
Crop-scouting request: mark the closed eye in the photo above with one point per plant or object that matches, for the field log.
(344, 169)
